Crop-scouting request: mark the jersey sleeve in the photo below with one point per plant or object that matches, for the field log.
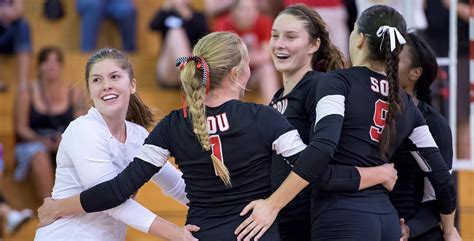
(330, 109)
(153, 155)
(425, 219)
(278, 133)
(441, 133)
(87, 147)
(427, 155)
(171, 183)
(340, 178)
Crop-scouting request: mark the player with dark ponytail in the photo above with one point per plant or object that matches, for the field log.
(362, 116)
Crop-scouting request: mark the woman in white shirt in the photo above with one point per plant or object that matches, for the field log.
(97, 146)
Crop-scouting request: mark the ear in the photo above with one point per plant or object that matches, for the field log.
(361, 40)
(415, 73)
(133, 87)
(314, 46)
(234, 73)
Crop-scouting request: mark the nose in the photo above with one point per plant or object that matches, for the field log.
(107, 85)
(277, 43)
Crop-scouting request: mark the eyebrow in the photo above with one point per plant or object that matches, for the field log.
(291, 31)
(98, 75)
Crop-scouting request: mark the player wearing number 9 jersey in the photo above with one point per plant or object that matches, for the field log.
(361, 117)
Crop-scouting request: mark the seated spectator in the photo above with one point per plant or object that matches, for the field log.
(181, 27)
(43, 110)
(15, 37)
(215, 8)
(121, 12)
(255, 30)
(14, 218)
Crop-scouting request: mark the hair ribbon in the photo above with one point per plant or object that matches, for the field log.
(200, 64)
(394, 35)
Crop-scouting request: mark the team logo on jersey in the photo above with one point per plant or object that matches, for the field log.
(280, 105)
(217, 123)
(381, 86)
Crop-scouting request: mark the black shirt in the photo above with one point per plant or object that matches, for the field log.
(412, 189)
(350, 112)
(243, 135)
(196, 27)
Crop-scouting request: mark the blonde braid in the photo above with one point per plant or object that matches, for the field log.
(195, 93)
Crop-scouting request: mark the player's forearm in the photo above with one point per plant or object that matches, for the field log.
(162, 228)
(292, 185)
(447, 221)
(69, 206)
(369, 176)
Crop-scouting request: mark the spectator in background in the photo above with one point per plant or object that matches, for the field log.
(92, 12)
(215, 8)
(43, 110)
(335, 14)
(255, 30)
(15, 37)
(14, 218)
(181, 27)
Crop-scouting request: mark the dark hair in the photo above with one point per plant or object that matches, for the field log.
(328, 57)
(138, 112)
(44, 53)
(379, 50)
(423, 56)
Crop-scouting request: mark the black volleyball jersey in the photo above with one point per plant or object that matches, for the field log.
(412, 189)
(242, 135)
(299, 108)
(350, 116)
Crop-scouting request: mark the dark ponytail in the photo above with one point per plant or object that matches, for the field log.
(395, 104)
(379, 50)
(139, 113)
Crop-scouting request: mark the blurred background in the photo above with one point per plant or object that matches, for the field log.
(49, 41)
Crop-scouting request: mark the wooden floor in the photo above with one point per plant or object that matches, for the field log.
(65, 33)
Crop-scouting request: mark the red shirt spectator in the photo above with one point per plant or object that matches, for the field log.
(254, 36)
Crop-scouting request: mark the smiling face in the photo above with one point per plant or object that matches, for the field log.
(290, 44)
(110, 88)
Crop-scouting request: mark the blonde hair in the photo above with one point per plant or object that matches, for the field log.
(223, 51)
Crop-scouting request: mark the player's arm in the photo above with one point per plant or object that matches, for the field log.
(311, 161)
(427, 216)
(428, 157)
(425, 219)
(87, 146)
(340, 178)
